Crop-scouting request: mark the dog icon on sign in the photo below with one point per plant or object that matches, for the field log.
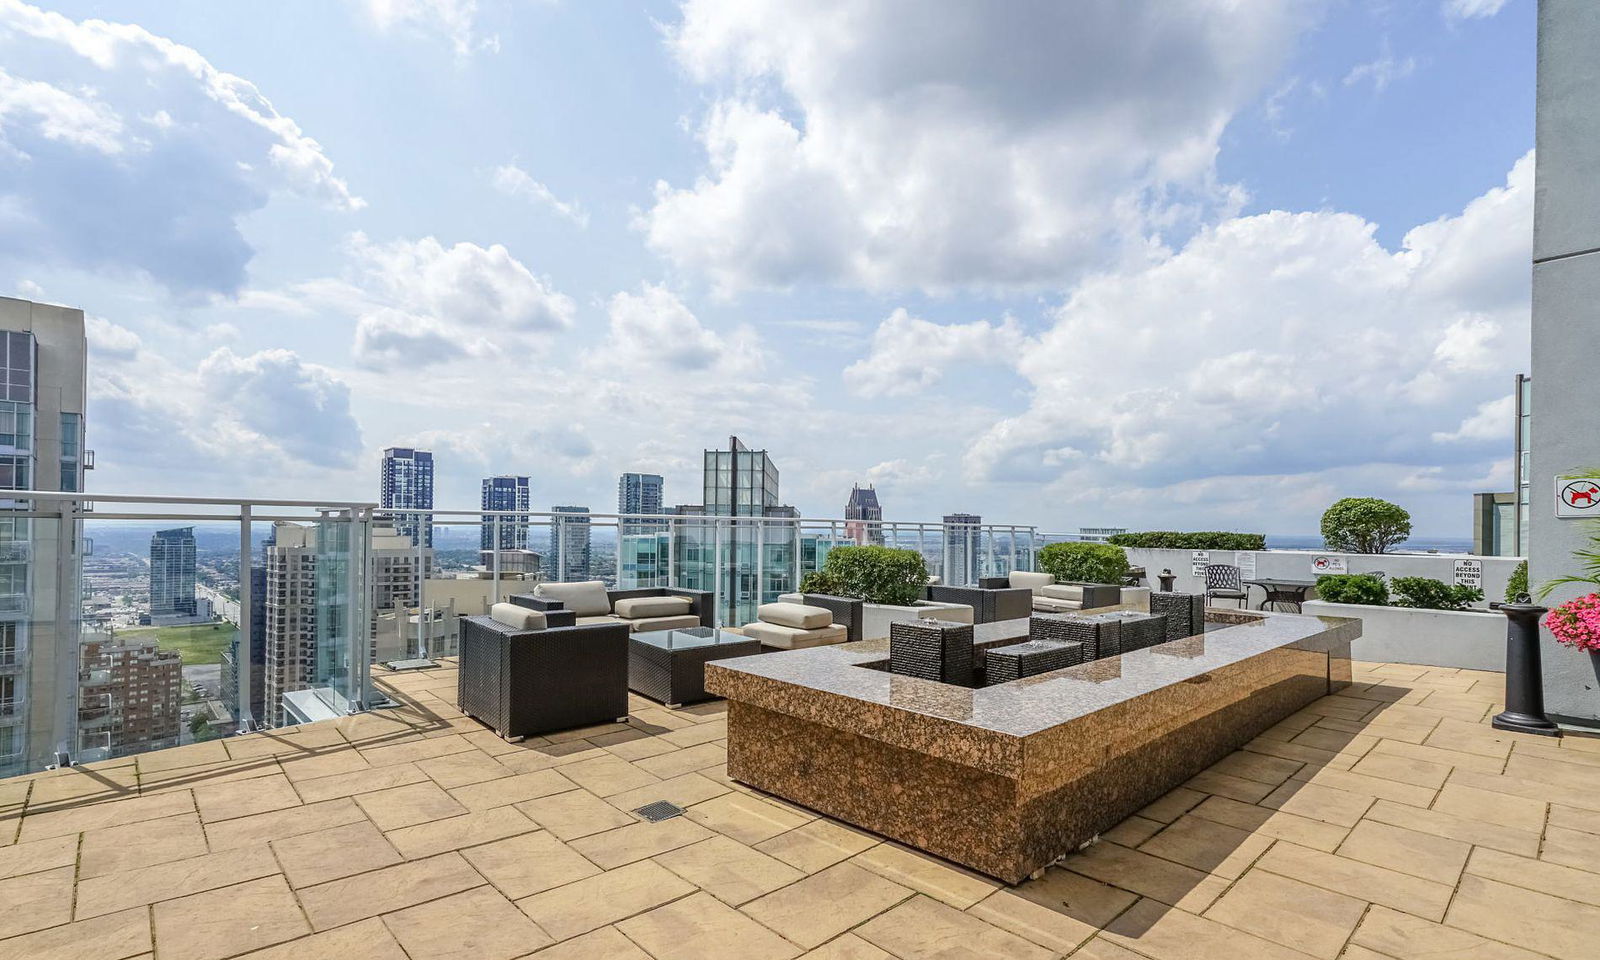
(1581, 494)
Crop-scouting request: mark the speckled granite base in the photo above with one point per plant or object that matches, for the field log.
(1007, 778)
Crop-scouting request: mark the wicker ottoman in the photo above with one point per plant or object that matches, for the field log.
(1099, 634)
(1185, 613)
(1004, 664)
(932, 650)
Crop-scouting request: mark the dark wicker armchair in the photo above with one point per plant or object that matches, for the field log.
(526, 682)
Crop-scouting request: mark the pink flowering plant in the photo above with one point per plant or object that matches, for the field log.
(1576, 623)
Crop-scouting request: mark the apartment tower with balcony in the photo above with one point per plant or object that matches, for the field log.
(504, 493)
(405, 482)
(43, 363)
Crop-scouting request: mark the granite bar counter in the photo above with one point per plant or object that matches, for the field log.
(1006, 778)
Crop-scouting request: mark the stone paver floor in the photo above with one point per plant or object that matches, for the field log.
(1386, 821)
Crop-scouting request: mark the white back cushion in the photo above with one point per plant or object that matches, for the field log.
(586, 598)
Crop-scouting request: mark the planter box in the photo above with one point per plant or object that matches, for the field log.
(1434, 638)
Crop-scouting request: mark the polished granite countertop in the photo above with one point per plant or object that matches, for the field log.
(1033, 704)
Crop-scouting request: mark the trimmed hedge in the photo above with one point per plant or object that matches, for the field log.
(1362, 588)
(874, 574)
(1080, 562)
(1197, 540)
(1426, 593)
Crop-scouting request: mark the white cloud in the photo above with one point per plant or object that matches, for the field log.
(869, 143)
(1471, 9)
(652, 331)
(1492, 423)
(452, 20)
(125, 150)
(514, 181)
(273, 400)
(1382, 71)
(230, 417)
(910, 354)
(1279, 345)
(421, 302)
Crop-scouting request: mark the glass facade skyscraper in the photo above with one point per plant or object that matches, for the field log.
(963, 546)
(640, 493)
(172, 573)
(43, 366)
(406, 483)
(505, 493)
(568, 558)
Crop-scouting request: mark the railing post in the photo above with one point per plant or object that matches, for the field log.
(494, 569)
(716, 569)
(560, 533)
(761, 562)
(244, 669)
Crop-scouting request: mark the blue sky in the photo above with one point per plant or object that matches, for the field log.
(1162, 263)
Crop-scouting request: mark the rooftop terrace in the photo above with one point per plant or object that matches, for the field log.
(1388, 820)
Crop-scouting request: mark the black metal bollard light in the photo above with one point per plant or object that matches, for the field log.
(1524, 711)
(1168, 580)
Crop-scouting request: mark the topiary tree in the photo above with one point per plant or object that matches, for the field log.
(1365, 525)
(1078, 562)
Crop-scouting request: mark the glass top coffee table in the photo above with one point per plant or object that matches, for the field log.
(670, 665)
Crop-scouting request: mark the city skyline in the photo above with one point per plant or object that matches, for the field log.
(948, 325)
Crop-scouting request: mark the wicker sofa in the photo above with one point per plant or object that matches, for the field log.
(524, 678)
(1052, 597)
(651, 608)
(992, 600)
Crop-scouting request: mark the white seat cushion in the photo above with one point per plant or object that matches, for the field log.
(1033, 581)
(1062, 591)
(646, 624)
(796, 615)
(780, 637)
(586, 621)
(585, 599)
(520, 618)
(638, 608)
(1055, 605)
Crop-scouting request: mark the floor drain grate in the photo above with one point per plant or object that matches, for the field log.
(659, 811)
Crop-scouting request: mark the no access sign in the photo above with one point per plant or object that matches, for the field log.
(1577, 497)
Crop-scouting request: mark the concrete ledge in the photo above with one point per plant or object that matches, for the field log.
(1434, 638)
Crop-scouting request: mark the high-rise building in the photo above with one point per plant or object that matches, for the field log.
(864, 516)
(397, 571)
(505, 493)
(640, 493)
(963, 546)
(291, 621)
(42, 402)
(406, 483)
(172, 573)
(568, 558)
(129, 700)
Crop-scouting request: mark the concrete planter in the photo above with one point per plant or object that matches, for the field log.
(876, 617)
(1434, 638)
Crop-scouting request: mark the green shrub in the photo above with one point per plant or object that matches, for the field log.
(1517, 585)
(1365, 525)
(1426, 593)
(1079, 562)
(1363, 588)
(821, 581)
(1196, 540)
(874, 574)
